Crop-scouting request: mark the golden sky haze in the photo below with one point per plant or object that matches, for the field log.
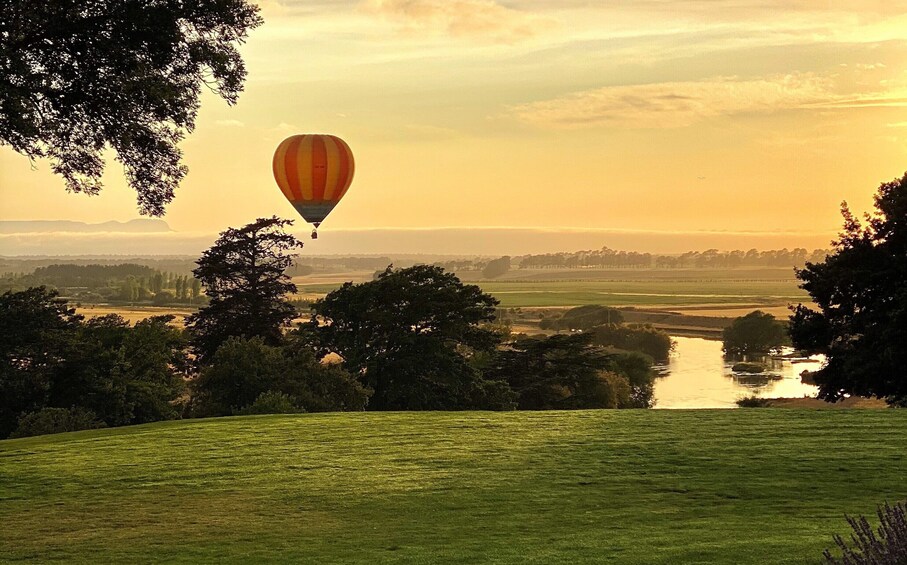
(650, 114)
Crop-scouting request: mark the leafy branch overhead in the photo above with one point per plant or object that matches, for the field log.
(78, 77)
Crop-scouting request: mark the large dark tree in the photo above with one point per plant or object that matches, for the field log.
(104, 368)
(36, 331)
(569, 372)
(861, 292)
(244, 274)
(77, 76)
(244, 369)
(756, 333)
(410, 335)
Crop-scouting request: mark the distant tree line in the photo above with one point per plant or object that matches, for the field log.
(606, 258)
(126, 282)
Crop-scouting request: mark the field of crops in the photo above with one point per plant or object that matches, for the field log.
(732, 486)
(652, 288)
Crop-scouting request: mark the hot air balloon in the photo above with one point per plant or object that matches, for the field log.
(314, 171)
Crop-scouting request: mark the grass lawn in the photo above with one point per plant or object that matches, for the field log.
(732, 486)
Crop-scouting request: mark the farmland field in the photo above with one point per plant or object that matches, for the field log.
(743, 486)
(648, 288)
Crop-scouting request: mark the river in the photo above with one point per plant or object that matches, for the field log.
(697, 376)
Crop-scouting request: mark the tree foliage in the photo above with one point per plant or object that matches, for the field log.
(560, 372)
(54, 359)
(410, 335)
(755, 333)
(244, 274)
(584, 318)
(861, 292)
(496, 268)
(243, 370)
(642, 338)
(77, 77)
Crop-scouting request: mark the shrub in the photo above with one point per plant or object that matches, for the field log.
(163, 298)
(56, 420)
(888, 548)
(243, 370)
(747, 367)
(271, 402)
(757, 332)
(753, 402)
(645, 339)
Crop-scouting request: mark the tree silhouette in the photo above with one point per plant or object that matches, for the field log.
(244, 275)
(861, 292)
(77, 77)
(410, 335)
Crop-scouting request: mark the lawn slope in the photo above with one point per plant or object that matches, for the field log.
(733, 486)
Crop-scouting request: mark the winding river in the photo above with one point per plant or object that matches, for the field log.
(697, 376)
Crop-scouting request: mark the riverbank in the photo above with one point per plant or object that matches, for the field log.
(816, 404)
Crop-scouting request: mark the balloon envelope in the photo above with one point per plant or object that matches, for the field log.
(314, 171)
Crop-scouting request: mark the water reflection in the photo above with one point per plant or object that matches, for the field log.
(698, 376)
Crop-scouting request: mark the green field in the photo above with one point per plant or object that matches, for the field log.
(734, 486)
(641, 291)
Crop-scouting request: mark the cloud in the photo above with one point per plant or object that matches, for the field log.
(461, 18)
(230, 123)
(676, 104)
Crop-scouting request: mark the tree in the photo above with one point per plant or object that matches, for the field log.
(76, 77)
(587, 317)
(861, 292)
(54, 359)
(755, 333)
(36, 327)
(244, 274)
(243, 370)
(560, 372)
(410, 335)
(642, 338)
(496, 267)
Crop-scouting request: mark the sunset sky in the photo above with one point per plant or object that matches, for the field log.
(680, 115)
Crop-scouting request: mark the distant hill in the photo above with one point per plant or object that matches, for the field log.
(154, 237)
(142, 225)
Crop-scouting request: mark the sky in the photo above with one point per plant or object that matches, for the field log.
(664, 115)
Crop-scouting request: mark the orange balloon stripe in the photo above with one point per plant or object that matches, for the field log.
(304, 166)
(280, 173)
(347, 168)
(333, 168)
(290, 166)
(319, 167)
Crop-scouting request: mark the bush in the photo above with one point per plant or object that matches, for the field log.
(888, 548)
(753, 402)
(56, 420)
(163, 298)
(585, 318)
(645, 339)
(271, 402)
(747, 367)
(243, 370)
(757, 332)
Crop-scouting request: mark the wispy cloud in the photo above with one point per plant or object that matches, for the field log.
(680, 104)
(675, 104)
(230, 123)
(486, 19)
